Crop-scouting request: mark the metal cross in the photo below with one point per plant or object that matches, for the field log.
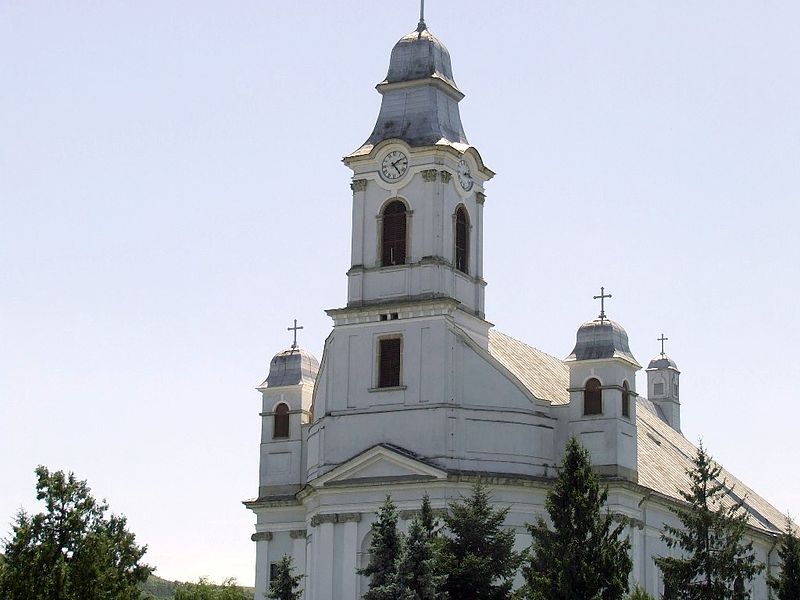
(421, 26)
(662, 339)
(602, 297)
(295, 328)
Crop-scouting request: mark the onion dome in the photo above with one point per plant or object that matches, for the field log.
(602, 338)
(420, 96)
(662, 361)
(419, 55)
(292, 367)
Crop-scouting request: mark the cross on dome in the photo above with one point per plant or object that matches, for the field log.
(294, 329)
(602, 297)
(421, 26)
(662, 339)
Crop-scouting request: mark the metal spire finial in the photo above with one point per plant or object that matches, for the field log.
(663, 339)
(602, 297)
(421, 26)
(294, 329)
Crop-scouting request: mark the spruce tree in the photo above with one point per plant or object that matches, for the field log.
(416, 568)
(385, 550)
(584, 555)
(478, 556)
(284, 583)
(787, 584)
(715, 562)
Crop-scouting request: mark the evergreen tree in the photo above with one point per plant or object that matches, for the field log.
(639, 594)
(478, 556)
(416, 568)
(715, 563)
(71, 551)
(583, 556)
(284, 584)
(787, 584)
(385, 550)
(429, 522)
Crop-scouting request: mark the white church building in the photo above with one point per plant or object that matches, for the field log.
(416, 393)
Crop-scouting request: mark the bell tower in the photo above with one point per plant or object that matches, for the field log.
(417, 186)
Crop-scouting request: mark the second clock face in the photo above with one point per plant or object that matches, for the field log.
(464, 175)
(394, 165)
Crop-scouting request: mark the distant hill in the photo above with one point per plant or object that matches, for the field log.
(156, 588)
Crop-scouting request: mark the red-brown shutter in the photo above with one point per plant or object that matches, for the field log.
(281, 422)
(393, 242)
(462, 240)
(389, 361)
(593, 398)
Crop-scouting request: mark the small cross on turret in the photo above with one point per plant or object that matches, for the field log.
(602, 297)
(421, 26)
(663, 339)
(294, 329)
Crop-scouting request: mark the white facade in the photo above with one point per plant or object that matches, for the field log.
(469, 403)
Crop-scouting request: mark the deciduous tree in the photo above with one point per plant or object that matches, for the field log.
(204, 590)
(73, 550)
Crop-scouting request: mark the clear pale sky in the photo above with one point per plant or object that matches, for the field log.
(172, 197)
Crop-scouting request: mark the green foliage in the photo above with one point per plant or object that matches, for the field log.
(478, 556)
(417, 569)
(385, 551)
(787, 584)
(716, 563)
(203, 590)
(284, 584)
(71, 551)
(156, 588)
(584, 555)
(639, 594)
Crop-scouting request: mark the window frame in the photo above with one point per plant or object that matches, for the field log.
(382, 221)
(467, 227)
(594, 400)
(275, 415)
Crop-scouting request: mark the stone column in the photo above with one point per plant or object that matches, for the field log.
(262, 540)
(322, 568)
(349, 555)
(299, 555)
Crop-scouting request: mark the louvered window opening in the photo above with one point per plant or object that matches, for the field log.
(393, 238)
(281, 422)
(462, 240)
(626, 400)
(389, 363)
(592, 398)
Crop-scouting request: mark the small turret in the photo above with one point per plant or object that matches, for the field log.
(663, 378)
(286, 408)
(602, 413)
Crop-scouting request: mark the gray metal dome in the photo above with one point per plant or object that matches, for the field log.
(602, 338)
(419, 55)
(662, 361)
(292, 367)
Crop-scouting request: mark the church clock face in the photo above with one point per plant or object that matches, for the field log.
(394, 165)
(465, 175)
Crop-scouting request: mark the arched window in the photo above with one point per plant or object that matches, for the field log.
(462, 240)
(626, 399)
(393, 234)
(593, 398)
(280, 421)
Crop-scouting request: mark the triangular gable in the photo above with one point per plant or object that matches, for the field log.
(379, 463)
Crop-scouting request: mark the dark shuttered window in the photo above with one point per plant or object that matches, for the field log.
(389, 363)
(462, 240)
(393, 237)
(626, 400)
(593, 398)
(281, 421)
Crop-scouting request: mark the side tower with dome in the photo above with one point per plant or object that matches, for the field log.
(416, 392)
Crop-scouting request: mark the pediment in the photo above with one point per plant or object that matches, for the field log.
(380, 464)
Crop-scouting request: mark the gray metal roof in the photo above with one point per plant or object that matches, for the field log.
(602, 338)
(420, 96)
(291, 367)
(662, 361)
